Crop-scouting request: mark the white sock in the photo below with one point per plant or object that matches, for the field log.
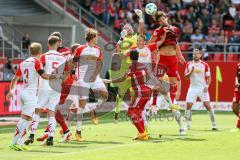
(144, 117)
(188, 116)
(69, 119)
(167, 98)
(51, 126)
(100, 102)
(212, 116)
(34, 123)
(20, 129)
(177, 115)
(79, 121)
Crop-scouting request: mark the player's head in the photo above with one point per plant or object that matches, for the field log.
(141, 41)
(57, 34)
(128, 28)
(91, 35)
(134, 55)
(161, 18)
(54, 42)
(35, 49)
(197, 54)
(74, 47)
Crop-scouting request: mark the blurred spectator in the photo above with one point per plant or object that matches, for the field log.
(228, 22)
(25, 45)
(98, 9)
(234, 39)
(214, 28)
(8, 70)
(217, 16)
(210, 40)
(187, 31)
(206, 18)
(197, 37)
(111, 12)
(222, 39)
(86, 4)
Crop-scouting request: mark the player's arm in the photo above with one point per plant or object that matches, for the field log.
(153, 38)
(16, 77)
(40, 70)
(188, 72)
(179, 54)
(141, 21)
(179, 88)
(208, 79)
(117, 80)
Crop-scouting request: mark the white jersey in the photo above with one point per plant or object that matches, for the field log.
(29, 69)
(88, 57)
(54, 63)
(145, 54)
(198, 77)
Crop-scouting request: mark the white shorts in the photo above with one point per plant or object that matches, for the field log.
(48, 99)
(72, 101)
(86, 86)
(195, 93)
(28, 101)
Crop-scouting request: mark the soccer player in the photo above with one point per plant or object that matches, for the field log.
(169, 52)
(127, 40)
(66, 85)
(138, 73)
(89, 58)
(200, 78)
(236, 98)
(29, 70)
(49, 94)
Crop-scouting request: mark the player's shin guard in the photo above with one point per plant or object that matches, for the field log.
(188, 115)
(51, 126)
(60, 120)
(137, 120)
(79, 121)
(34, 123)
(178, 118)
(21, 129)
(118, 104)
(154, 101)
(173, 91)
(212, 117)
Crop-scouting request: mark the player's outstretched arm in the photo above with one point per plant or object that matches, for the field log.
(141, 21)
(117, 80)
(12, 87)
(208, 82)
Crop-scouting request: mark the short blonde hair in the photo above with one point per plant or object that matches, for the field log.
(90, 34)
(35, 48)
(52, 40)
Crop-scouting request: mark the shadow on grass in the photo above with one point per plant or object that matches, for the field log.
(43, 151)
(93, 142)
(190, 139)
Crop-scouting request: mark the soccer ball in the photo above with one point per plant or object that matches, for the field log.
(151, 8)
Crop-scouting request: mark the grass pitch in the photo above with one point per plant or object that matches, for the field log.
(114, 141)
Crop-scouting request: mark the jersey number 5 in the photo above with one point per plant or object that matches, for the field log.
(25, 79)
(55, 67)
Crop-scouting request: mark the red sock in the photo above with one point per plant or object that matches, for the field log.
(155, 94)
(173, 90)
(238, 122)
(133, 113)
(60, 120)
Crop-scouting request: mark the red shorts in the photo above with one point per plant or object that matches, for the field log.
(137, 105)
(236, 97)
(171, 63)
(66, 86)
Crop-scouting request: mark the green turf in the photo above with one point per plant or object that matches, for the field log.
(113, 141)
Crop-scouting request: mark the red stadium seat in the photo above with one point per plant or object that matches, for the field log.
(218, 57)
(232, 57)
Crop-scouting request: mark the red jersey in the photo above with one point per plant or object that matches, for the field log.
(138, 74)
(238, 75)
(171, 37)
